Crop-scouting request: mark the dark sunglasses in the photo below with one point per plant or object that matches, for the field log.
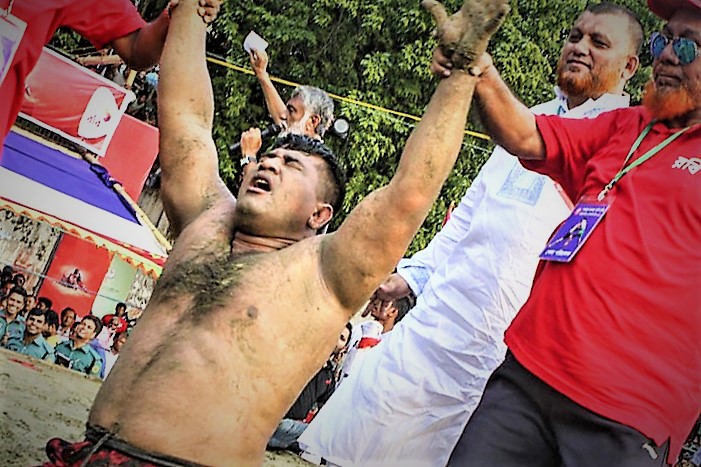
(685, 49)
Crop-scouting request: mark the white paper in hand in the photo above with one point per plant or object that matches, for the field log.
(254, 42)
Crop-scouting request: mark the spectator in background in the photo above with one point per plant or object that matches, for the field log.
(108, 23)
(77, 353)
(30, 302)
(31, 342)
(44, 303)
(5, 287)
(120, 311)
(312, 398)
(7, 273)
(132, 316)
(384, 316)
(68, 317)
(389, 313)
(111, 356)
(109, 330)
(19, 279)
(309, 111)
(51, 328)
(11, 321)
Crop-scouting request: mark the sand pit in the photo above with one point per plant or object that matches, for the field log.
(40, 401)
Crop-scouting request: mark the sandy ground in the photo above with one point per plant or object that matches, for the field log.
(40, 401)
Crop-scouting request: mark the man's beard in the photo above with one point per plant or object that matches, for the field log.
(590, 85)
(666, 103)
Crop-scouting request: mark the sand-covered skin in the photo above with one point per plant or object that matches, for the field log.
(40, 401)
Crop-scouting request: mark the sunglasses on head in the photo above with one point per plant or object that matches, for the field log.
(685, 49)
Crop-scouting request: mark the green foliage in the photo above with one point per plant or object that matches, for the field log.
(377, 52)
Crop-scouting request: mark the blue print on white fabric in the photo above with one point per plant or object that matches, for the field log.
(522, 185)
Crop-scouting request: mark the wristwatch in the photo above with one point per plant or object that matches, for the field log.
(246, 159)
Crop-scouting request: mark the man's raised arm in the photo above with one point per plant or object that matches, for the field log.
(508, 121)
(276, 106)
(190, 178)
(142, 48)
(358, 257)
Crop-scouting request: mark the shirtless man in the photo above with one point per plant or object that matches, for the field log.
(224, 347)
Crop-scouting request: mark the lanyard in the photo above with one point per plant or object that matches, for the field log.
(648, 155)
(5, 13)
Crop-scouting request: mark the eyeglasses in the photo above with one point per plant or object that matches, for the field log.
(685, 49)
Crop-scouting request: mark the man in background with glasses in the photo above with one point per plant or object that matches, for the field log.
(603, 366)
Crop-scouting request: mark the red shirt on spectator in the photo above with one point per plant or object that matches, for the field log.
(123, 322)
(618, 329)
(100, 22)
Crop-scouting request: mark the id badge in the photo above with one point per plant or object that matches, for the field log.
(11, 32)
(574, 232)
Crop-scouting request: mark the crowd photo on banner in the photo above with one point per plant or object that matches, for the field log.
(349, 234)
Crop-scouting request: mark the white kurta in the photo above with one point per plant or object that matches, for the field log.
(415, 391)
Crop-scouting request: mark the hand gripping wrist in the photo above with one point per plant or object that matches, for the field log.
(464, 36)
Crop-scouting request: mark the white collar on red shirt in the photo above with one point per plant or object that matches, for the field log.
(592, 107)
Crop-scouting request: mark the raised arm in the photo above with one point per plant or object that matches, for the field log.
(276, 106)
(358, 257)
(142, 48)
(510, 123)
(190, 180)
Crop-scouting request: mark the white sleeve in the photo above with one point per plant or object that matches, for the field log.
(418, 269)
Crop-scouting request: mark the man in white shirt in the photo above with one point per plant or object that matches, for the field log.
(413, 395)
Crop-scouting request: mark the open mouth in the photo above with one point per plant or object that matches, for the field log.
(260, 184)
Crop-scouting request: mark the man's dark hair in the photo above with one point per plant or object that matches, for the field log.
(18, 290)
(65, 311)
(46, 301)
(51, 318)
(5, 282)
(16, 276)
(116, 337)
(403, 305)
(96, 320)
(635, 28)
(39, 312)
(308, 145)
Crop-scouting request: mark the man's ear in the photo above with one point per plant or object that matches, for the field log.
(631, 67)
(314, 121)
(320, 217)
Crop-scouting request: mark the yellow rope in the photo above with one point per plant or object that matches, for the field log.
(348, 100)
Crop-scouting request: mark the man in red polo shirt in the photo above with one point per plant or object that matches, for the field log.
(604, 366)
(27, 25)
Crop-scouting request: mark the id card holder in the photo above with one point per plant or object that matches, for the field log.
(574, 232)
(11, 32)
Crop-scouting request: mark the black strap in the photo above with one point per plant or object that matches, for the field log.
(105, 439)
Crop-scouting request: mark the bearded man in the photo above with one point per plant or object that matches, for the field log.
(413, 394)
(603, 364)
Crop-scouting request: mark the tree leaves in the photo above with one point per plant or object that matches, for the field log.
(377, 52)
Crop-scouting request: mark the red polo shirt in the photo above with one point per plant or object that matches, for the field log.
(100, 22)
(618, 330)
